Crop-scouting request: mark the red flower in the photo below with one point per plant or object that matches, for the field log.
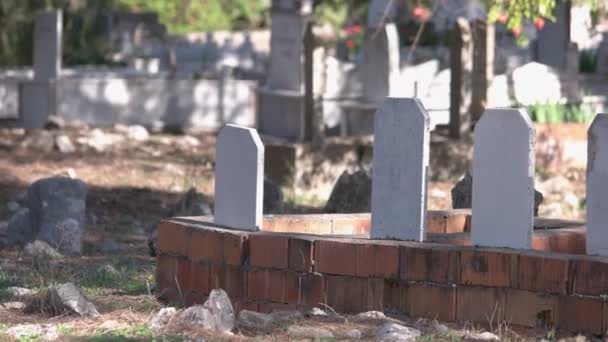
(539, 23)
(420, 13)
(356, 28)
(516, 31)
(503, 17)
(350, 43)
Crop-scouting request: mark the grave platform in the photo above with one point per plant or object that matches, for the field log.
(300, 261)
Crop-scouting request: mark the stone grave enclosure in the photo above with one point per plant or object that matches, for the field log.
(495, 260)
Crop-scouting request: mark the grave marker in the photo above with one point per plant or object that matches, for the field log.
(400, 167)
(597, 187)
(239, 178)
(503, 190)
(47, 45)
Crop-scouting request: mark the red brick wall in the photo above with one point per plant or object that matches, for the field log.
(267, 271)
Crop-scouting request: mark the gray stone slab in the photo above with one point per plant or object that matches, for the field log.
(380, 71)
(47, 45)
(281, 114)
(400, 166)
(597, 186)
(286, 68)
(37, 101)
(503, 191)
(239, 178)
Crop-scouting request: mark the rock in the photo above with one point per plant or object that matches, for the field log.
(13, 206)
(66, 235)
(255, 320)
(316, 312)
(162, 318)
(100, 141)
(137, 133)
(484, 336)
(351, 193)
(371, 315)
(215, 314)
(40, 140)
(54, 122)
(353, 334)
(15, 291)
(392, 332)
(68, 298)
(45, 332)
(297, 332)
(196, 316)
(19, 229)
(41, 249)
(440, 328)
(273, 197)
(221, 309)
(14, 305)
(462, 194)
(57, 212)
(108, 246)
(284, 316)
(192, 203)
(64, 144)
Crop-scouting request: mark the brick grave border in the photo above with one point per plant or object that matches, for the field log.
(290, 268)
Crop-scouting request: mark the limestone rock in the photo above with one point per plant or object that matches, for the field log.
(221, 309)
(195, 316)
(68, 298)
(254, 320)
(351, 193)
(353, 334)
(284, 316)
(302, 332)
(137, 133)
(462, 194)
(392, 332)
(162, 318)
(13, 305)
(27, 332)
(41, 249)
(64, 144)
(54, 213)
(484, 336)
(19, 291)
(371, 315)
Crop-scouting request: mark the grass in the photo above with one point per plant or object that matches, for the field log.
(559, 113)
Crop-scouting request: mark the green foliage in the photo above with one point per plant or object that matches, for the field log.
(559, 113)
(181, 16)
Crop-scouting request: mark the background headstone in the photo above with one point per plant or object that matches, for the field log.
(503, 190)
(597, 187)
(551, 46)
(239, 178)
(47, 45)
(380, 71)
(400, 166)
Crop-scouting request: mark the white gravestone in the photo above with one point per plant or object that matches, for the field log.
(380, 70)
(47, 45)
(597, 186)
(239, 178)
(503, 191)
(400, 170)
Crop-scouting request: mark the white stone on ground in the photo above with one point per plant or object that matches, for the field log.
(393, 332)
(298, 331)
(162, 318)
